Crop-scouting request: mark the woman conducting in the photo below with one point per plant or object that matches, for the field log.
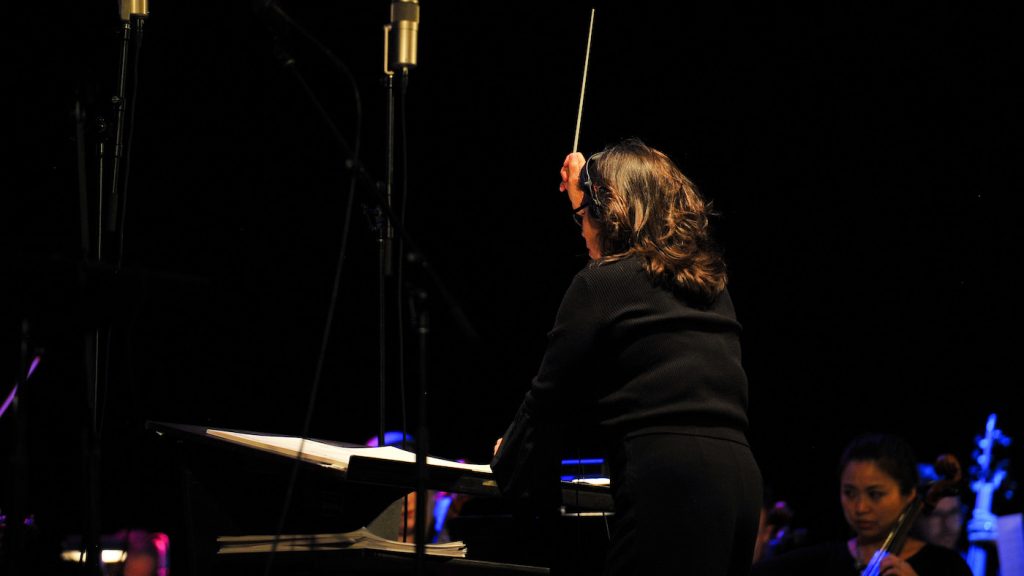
(646, 347)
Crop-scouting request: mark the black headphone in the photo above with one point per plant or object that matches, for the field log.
(591, 191)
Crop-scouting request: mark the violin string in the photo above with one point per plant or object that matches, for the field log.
(583, 88)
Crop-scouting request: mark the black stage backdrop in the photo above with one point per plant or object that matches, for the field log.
(863, 161)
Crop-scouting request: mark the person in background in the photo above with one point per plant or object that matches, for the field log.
(775, 533)
(645, 352)
(145, 553)
(398, 522)
(944, 524)
(878, 479)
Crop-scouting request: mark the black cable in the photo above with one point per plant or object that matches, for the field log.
(352, 162)
(404, 158)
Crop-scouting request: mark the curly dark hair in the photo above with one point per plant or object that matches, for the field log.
(643, 204)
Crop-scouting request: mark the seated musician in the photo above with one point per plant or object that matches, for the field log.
(943, 525)
(398, 522)
(878, 480)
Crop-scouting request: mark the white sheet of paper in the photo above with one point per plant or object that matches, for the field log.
(336, 456)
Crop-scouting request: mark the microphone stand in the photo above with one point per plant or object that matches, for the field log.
(404, 59)
(98, 343)
(96, 352)
(419, 319)
(419, 313)
(119, 108)
(416, 257)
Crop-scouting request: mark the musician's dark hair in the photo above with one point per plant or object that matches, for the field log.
(644, 205)
(891, 453)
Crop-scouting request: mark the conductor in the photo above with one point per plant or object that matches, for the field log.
(645, 346)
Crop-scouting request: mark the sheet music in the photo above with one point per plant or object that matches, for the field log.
(361, 538)
(592, 481)
(332, 455)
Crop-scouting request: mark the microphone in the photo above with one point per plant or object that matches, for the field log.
(405, 25)
(131, 8)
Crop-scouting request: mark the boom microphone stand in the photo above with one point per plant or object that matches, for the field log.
(405, 18)
(97, 345)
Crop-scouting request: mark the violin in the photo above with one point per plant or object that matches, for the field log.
(948, 468)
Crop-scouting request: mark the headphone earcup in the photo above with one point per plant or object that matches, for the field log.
(591, 193)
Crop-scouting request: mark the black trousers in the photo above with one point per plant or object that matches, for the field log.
(684, 504)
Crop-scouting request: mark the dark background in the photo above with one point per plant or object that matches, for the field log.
(863, 161)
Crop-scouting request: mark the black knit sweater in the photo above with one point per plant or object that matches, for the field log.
(631, 356)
